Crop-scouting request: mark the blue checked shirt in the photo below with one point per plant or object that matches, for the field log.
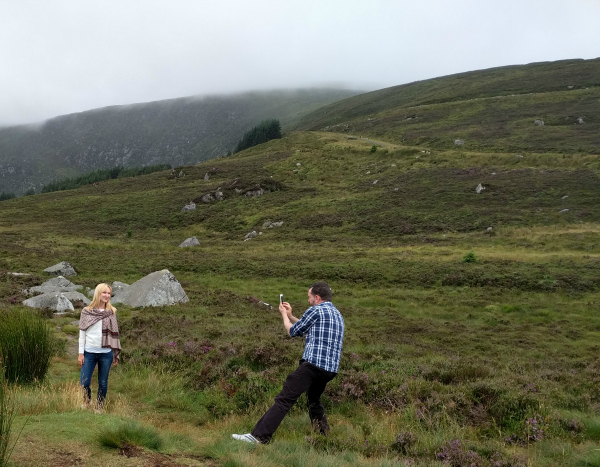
(324, 328)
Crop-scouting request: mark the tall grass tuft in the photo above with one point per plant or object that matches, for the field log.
(6, 419)
(26, 346)
(130, 434)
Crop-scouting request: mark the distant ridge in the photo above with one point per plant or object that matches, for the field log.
(175, 131)
(491, 109)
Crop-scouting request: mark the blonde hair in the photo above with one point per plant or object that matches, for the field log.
(96, 300)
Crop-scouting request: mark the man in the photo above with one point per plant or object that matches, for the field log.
(323, 326)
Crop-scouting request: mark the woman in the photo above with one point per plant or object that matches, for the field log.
(98, 342)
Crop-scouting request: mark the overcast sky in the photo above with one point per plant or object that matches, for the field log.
(65, 56)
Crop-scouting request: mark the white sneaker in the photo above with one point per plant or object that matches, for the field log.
(248, 438)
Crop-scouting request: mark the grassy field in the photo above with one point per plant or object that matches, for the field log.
(492, 362)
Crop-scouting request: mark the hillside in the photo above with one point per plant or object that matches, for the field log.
(472, 319)
(490, 110)
(177, 131)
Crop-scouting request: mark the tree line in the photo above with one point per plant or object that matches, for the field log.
(261, 133)
(101, 175)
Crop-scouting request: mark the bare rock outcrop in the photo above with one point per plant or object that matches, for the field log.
(156, 289)
(61, 269)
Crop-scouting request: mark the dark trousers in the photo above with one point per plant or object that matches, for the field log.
(104, 361)
(306, 378)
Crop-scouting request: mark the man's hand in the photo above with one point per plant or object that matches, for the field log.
(288, 311)
(80, 360)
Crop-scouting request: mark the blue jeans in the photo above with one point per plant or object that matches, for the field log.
(104, 361)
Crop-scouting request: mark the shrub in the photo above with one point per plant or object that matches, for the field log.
(26, 346)
(130, 434)
(469, 257)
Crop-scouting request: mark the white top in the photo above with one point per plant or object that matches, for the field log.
(90, 340)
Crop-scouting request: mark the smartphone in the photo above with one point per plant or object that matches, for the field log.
(280, 298)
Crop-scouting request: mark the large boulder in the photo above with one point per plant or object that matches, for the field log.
(76, 297)
(54, 301)
(56, 284)
(156, 289)
(61, 269)
(118, 287)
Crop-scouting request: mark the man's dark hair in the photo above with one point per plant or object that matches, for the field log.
(322, 290)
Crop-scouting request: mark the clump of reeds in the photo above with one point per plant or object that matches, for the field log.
(26, 346)
(130, 434)
(6, 418)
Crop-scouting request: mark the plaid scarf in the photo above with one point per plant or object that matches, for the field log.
(110, 328)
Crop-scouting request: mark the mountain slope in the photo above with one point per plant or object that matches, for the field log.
(489, 109)
(176, 131)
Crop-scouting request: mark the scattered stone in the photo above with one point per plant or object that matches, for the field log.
(156, 289)
(570, 87)
(266, 224)
(189, 207)
(250, 235)
(368, 172)
(375, 182)
(192, 241)
(298, 164)
(295, 171)
(396, 189)
(18, 274)
(458, 142)
(181, 174)
(493, 173)
(563, 210)
(219, 195)
(580, 121)
(565, 197)
(489, 229)
(275, 224)
(61, 269)
(239, 190)
(258, 192)
(518, 156)
(393, 165)
(538, 122)
(54, 301)
(479, 188)
(206, 177)
(76, 297)
(56, 284)
(208, 198)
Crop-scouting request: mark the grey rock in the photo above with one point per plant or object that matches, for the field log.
(375, 182)
(570, 87)
(565, 197)
(189, 207)
(295, 171)
(396, 189)
(275, 224)
(55, 301)
(538, 122)
(258, 192)
(518, 156)
(206, 177)
(208, 198)
(563, 210)
(250, 235)
(458, 142)
(219, 195)
(18, 274)
(56, 284)
(156, 289)
(580, 121)
(479, 188)
(298, 164)
(117, 287)
(76, 297)
(489, 229)
(238, 190)
(61, 269)
(192, 241)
